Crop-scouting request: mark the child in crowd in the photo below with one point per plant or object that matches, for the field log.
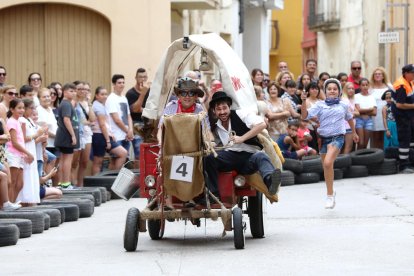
(30, 192)
(290, 94)
(304, 137)
(367, 108)
(17, 154)
(331, 112)
(67, 134)
(261, 104)
(289, 144)
(349, 98)
(4, 197)
(390, 135)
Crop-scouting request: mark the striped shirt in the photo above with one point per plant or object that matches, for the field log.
(330, 117)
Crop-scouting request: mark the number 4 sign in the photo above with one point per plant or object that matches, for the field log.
(182, 168)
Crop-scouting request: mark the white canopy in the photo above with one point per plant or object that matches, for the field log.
(235, 77)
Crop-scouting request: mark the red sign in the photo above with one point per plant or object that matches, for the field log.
(236, 83)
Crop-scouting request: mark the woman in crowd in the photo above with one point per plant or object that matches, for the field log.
(86, 119)
(281, 79)
(349, 97)
(35, 81)
(322, 78)
(304, 81)
(257, 76)
(367, 108)
(46, 117)
(102, 139)
(9, 93)
(378, 85)
(17, 154)
(278, 114)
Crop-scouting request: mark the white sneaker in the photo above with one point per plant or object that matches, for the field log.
(8, 206)
(330, 201)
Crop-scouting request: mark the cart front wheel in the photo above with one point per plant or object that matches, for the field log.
(156, 228)
(131, 230)
(238, 228)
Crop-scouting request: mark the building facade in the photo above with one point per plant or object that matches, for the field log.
(82, 39)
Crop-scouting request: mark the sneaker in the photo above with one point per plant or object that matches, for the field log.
(330, 201)
(8, 206)
(68, 186)
(273, 181)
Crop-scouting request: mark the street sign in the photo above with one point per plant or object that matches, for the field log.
(388, 37)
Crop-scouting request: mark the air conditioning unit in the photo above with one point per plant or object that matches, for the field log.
(273, 4)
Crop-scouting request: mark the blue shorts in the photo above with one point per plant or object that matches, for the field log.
(337, 141)
(290, 154)
(42, 191)
(125, 143)
(99, 144)
(365, 123)
(40, 167)
(50, 156)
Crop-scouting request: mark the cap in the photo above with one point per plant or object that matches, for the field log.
(409, 68)
(188, 84)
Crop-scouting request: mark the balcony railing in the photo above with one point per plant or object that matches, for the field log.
(319, 22)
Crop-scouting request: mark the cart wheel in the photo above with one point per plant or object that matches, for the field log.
(156, 228)
(131, 230)
(255, 211)
(238, 228)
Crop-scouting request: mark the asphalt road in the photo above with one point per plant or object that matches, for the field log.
(370, 232)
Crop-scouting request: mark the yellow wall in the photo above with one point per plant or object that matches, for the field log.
(140, 31)
(291, 32)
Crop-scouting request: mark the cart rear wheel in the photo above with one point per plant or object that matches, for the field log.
(131, 230)
(255, 211)
(238, 228)
(156, 228)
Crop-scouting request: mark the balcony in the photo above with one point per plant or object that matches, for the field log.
(194, 4)
(322, 23)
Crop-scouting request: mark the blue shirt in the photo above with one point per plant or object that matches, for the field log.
(330, 117)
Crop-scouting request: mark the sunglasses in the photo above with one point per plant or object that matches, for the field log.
(188, 93)
(12, 94)
(356, 68)
(35, 79)
(3, 74)
(53, 94)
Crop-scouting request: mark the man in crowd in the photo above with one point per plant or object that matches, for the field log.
(310, 68)
(283, 66)
(244, 153)
(404, 116)
(120, 120)
(355, 76)
(3, 75)
(137, 97)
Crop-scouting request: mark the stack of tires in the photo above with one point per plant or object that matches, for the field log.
(26, 221)
(360, 163)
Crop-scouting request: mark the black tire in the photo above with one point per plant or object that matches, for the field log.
(80, 196)
(71, 210)
(131, 232)
(410, 156)
(24, 225)
(86, 207)
(155, 229)
(356, 171)
(387, 167)
(306, 178)
(101, 189)
(338, 174)
(255, 211)
(108, 196)
(288, 178)
(101, 181)
(115, 172)
(392, 153)
(342, 161)
(55, 207)
(238, 228)
(46, 217)
(97, 198)
(293, 165)
(9, 235)
(367, 156)
(313, 165)
(37, 219)
(55, 218)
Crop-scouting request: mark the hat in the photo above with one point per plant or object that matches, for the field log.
(332, 80)
(385, 93)
(409, 68)
(188, 84)
(219, 96)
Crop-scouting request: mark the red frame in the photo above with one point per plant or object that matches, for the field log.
(148, 166)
